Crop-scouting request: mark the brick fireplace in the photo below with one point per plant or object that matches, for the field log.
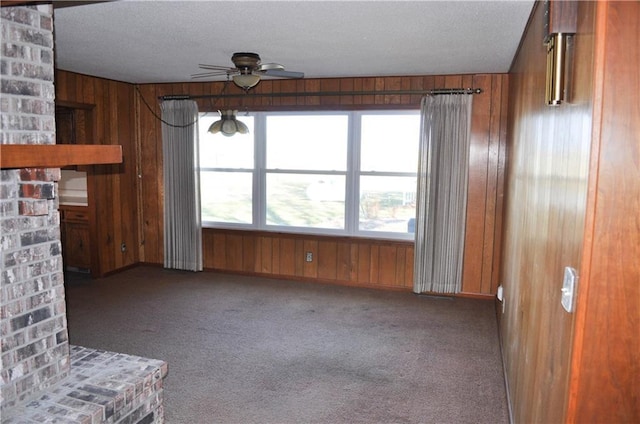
(44, 379)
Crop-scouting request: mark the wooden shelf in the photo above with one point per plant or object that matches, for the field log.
(57, 155)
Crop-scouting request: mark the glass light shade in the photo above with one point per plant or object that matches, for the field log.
(246, 81)
(228, 125)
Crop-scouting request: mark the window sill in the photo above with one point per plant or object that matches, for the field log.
(309, 236)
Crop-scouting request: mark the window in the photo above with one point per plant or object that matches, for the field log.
(348, 173)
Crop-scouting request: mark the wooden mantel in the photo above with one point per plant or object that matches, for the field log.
(57, 155)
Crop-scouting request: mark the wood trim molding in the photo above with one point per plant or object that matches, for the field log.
(57, 155)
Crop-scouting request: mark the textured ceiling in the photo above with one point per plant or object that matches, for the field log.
(164, 41)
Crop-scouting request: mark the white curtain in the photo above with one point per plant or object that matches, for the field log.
(182, 219)
(443, 169)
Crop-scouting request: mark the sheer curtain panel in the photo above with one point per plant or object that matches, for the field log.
(443, 169)
(182, 220)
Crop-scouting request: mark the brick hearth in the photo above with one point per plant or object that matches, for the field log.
(103, 387)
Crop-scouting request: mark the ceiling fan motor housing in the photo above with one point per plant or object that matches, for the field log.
(248, 61)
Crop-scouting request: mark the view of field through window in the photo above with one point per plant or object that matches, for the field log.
(345, 172)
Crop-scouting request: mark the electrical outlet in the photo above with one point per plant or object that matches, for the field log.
(569, 287)
(501, 298)
(308, 257)
(123, 247)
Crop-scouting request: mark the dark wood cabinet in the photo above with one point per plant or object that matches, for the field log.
(75, 236)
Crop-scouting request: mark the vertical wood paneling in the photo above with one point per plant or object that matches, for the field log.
(108, 109)
(288, 86)
(233, 251)
(405, 84)
(127, 224)
(544, 229)
(61, 86)
(250, 247)
(374, 264)
(453, 81)
(368, 84)
(151, 172)
(330, 85)
(378, 86)
(387, 265)
(343, 265)
(266, 255)
(354, 255)
(311, 86)
(79, 90)
(492, 161)
(275, 255)
(364, 263)
(335, 259)
(346, 84)
(220, 251)
(400, 262)
(115, 209)
(298, 257)
(327, 260)
(310, 269)
(477, 198)
(208, 256)
(606, 351)
(287, 258)
(408, 267)
(392, 83)
(500, 190)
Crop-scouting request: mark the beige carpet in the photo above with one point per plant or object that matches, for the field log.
(251, 350)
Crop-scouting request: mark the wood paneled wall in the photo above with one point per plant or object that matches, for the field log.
(572, 200)
(605, 376)
(112, 189)
(545, 213)
(389, 264)
(345, 260)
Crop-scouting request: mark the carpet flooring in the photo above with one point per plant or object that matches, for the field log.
(253, 350)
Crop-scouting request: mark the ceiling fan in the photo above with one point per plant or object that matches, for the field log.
(247, 70)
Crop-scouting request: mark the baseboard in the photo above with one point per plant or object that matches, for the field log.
(505, 375)
(314, 280)
(477, 295)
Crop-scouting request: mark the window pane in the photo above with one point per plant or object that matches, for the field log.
(387, 203)
(313, 142)
(390, 143)
(219, 151)
(301, 200)
(226, 196)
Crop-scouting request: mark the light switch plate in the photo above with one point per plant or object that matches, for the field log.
(569, 287)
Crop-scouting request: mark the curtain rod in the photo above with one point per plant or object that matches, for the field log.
(329, 93)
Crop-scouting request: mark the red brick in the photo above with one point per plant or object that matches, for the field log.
(32, 174)
(33, 207)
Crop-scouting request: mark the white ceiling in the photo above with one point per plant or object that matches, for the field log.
(146, 41)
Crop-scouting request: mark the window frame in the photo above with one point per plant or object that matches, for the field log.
(352, 175)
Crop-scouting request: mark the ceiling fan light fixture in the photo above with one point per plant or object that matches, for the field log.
(246, 81)
(228, 124)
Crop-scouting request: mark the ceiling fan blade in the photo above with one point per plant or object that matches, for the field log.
(281, 73)
(270, 66)
(222, 68)
(210, 74)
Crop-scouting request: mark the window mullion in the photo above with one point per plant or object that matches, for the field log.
(259, 178)
(353, 168)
